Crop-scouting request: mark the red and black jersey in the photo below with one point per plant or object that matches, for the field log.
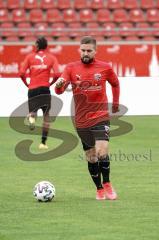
(39, 64)
(89, 90)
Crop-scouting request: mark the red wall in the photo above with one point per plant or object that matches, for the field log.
(136, 60)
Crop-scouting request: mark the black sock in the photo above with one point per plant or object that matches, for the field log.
(104, 165)
(95, 174)
(44, 136)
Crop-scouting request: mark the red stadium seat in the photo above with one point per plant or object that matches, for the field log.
(64, 4)
(146, 4)
(70, 15)
(12, 39)
(49, 39)
(86, 15)
(157, 3)
(136, 15)
(14, 4)
(48, 4)
(131, 4)
(149, 38)
(4, 15)
(142, 29)
(100, 38)
(53, 16)
(75, 29)
(7, 30)
(30, 4)
(36, 15)
(97, 4)
(2, 4)
(109, 29)
(93, 29)
(81, 4)
(114, 4)
(152, 15)
(115, 39)
(103, 15)
(19, 15)
(24, 29)
(132, 38)
(126, 29)
(58, 30)
(156, 29)
(41, 29)
(120, 15)
(29, 39)
(63, 39)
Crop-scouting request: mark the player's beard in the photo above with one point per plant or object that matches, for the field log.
(86, 60)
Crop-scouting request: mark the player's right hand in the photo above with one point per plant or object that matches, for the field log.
(59, 82)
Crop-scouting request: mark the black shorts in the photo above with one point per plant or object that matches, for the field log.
(88, 136)
(39, 98)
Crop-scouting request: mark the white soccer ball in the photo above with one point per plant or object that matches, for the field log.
(44, 191)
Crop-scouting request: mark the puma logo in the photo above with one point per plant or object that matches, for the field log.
(40, 58)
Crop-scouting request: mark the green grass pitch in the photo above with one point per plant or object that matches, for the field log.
(74, 214)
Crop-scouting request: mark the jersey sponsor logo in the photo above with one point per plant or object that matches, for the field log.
(40, 58)
(94, 88)
(97, 76)
(42, 66)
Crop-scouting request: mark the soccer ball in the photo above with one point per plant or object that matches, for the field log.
(44, 191)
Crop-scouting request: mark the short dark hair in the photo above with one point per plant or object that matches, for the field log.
(41, 43)
(88, 40)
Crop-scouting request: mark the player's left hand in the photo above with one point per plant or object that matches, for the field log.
(115, 108)
(59, 82)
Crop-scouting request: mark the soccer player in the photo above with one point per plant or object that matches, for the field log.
(88, 79)
(40, 64)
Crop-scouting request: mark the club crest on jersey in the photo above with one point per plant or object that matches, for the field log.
(97, 76)
(78, 77)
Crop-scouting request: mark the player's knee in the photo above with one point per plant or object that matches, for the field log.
(104, 158)
(102, 153)
(92, 159)
(91, 155)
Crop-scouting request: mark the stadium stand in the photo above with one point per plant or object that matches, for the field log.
(103, 16)
(97, 4)
(13, 4)
(48, 4)
(24, 29)
(81, 4)
(70, 15)
(30, 4)
(114, 4)
(68, 19)
(131, 4)
(64, 4)
(19, 15)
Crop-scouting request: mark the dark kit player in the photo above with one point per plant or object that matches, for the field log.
(39, 63)
(88, 79)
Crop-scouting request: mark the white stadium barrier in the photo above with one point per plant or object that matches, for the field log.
(138, 94)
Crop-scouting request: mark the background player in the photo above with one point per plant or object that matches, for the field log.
(40, 63)
(88, 78)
